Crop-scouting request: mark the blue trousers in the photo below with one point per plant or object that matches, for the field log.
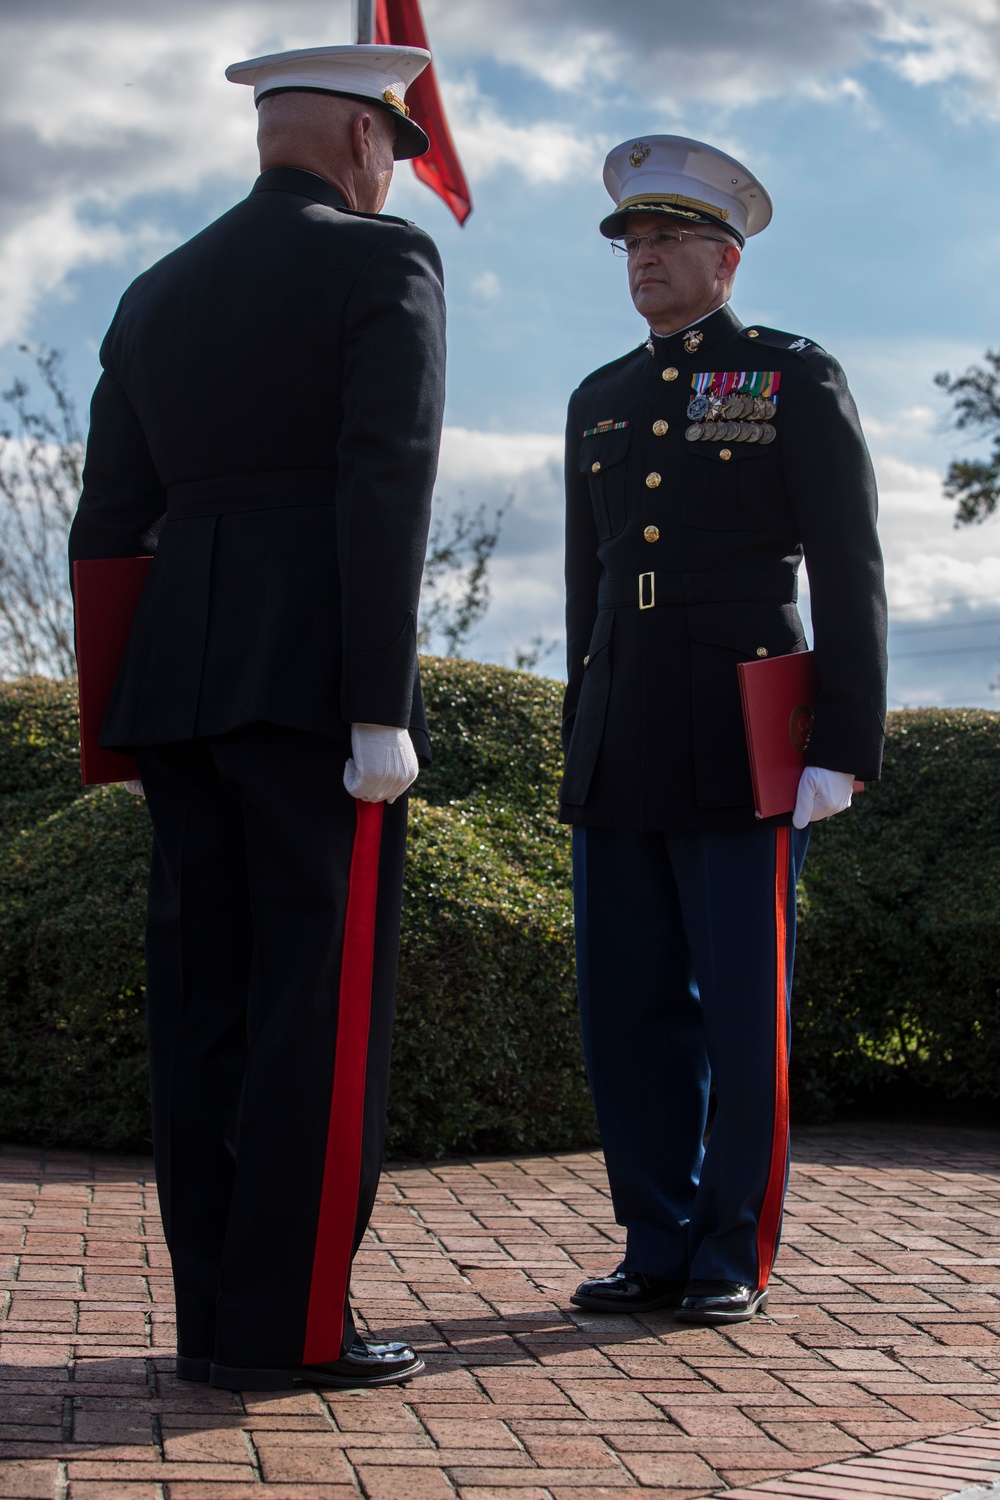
(684, 958)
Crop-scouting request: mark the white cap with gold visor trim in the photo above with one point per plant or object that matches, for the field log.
(670, 174)
(375, 75)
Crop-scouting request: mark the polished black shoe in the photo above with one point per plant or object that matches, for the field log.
(192, 1369)
(627, 1292)
(362, 1366)
(721, 1302)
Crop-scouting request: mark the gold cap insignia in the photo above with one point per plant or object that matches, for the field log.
(639, 153)
(396, 102)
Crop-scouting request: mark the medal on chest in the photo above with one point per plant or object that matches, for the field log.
(733, 406)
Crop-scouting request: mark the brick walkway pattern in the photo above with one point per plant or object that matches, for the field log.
(875, 1372)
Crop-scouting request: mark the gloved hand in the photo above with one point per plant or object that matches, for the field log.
(383, 763)
(821, 794)
(135, 787)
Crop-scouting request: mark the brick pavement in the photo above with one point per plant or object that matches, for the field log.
(874, 1374)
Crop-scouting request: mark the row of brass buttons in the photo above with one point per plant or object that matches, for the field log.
(653, 480)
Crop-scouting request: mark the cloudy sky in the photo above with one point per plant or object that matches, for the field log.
(875, 124)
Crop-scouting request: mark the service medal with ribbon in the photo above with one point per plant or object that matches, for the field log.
(738, 405)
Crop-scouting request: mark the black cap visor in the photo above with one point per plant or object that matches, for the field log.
(615, 224)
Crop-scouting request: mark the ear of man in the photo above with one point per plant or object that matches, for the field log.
(729, 263)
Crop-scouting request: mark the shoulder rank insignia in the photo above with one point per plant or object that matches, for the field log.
(733, 406)
(609, 426)
(799, 345)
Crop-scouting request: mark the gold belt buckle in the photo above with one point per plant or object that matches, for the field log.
(643, 604)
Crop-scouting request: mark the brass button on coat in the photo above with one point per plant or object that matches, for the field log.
(670, 373)
(659, 428)
(726, 454)
(652, 533)
(751, 333)
(761, 650)
(652, 480)
(586, 661)
(595, 467)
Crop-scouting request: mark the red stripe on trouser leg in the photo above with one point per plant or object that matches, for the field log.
(770, 1214)
(338, 1207)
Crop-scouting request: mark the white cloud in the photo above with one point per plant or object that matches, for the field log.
(526, 572)
(928, 559)
(107, 102)
(97, 115)
(475, 458)
(957, 43)
(489, 140)
(743, 55)
(671, 51)
(37, 255)
(486, 286)
(113, 104)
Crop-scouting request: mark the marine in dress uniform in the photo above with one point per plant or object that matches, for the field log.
(701, 469)
(271, 401)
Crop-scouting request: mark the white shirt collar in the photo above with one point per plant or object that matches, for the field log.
(689, 325)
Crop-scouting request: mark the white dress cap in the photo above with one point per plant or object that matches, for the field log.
(378, 74)
(670, 174)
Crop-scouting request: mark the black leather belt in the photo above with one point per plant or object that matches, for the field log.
(261, 491)
(647, 590)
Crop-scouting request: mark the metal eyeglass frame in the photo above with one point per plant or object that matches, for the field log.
(670, 236)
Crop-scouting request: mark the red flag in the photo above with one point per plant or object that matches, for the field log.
(399, 23)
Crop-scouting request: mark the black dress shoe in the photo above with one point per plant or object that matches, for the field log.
(721, 1302)
(363, 1365)
(192, 1369)
(627, 1292)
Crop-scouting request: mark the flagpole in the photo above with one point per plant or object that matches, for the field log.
(366, 21)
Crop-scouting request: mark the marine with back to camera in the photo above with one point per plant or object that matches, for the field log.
(270, 405)
(701, 469)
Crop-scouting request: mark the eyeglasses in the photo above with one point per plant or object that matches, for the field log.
(658, 241)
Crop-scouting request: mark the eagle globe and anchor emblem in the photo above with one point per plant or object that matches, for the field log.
(800, 727)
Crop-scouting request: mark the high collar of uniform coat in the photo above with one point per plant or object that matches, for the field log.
(298, 180)
(670, 349)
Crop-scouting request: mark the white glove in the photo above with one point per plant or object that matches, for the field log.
(821, 794)
(135, 787)
(382, 765)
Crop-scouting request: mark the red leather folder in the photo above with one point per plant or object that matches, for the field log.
(106, 593)
(778, 695)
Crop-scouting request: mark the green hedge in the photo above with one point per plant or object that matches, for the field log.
(897, 983)
(897, 971)
(487, 1054)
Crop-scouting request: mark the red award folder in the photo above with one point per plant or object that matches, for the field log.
(106, 593)
(778, 695)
